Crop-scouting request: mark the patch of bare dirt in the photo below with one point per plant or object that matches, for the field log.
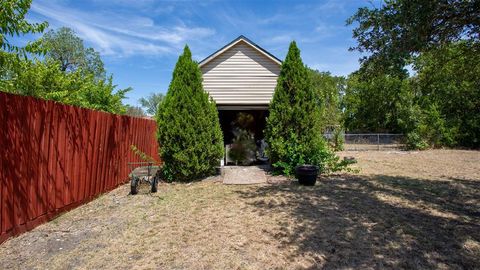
(403, 210)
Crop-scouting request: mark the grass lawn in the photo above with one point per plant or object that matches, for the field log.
(402, 210)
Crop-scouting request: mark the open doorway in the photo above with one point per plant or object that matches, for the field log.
(243, 135)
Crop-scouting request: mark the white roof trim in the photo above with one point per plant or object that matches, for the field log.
(213, 56)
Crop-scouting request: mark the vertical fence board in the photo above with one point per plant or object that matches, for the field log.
(43, 157)
(60, 170)
(69, 154)
(77, 168)
(21, 148)
(110, 149)
(3, 157)
(102, 146)
(7, 190)
(84, 120)
(34, 180)
(92, 154)
(96, 150)
(52, 158)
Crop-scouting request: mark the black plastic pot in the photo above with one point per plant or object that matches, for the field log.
(306, 174)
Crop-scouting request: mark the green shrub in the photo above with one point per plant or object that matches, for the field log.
(414, 141)
(189, 134)
(426, 128)
(338, 139)
(293, 131)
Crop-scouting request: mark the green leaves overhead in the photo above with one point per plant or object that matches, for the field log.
(448, 84)
(329, 90)
(151, 103)
(70, 73)
(394, 31)
(64, 47)
(46, 80)
(188, 126)
(13, 23)
(437, 104)
(369, 103)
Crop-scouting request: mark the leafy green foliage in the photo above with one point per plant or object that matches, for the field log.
(151, 103)
(338, 140)
(445, 98)
(64, 47)
(369, 103)
(46, 80)
(399, 29)
(293, 131)
(13, 23)
(329, 90)
(448, 80)
(438, 105)
(69, 73)
(189, 134)
(141, 154)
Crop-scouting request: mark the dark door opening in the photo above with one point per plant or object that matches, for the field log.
(235, 123)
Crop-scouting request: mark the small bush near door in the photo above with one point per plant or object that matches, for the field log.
(189, 134)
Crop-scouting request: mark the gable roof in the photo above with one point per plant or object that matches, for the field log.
(233, 43)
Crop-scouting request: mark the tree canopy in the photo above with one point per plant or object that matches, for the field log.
(399, 29)
(448, 85)
(13, 23)
(151, 102)
(66, 48)
(68, 74)
(134, 111)
(44, 79)
(369, 104)
(329, 89)
(437, 104)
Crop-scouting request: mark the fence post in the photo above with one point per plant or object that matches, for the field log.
(378, 142)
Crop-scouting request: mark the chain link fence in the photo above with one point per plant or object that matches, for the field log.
(373, 141)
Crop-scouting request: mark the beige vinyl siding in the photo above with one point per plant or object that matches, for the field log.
(240, 75)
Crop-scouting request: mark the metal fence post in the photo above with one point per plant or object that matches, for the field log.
(378, 142)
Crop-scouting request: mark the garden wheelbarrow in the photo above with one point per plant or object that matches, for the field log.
(147, 172)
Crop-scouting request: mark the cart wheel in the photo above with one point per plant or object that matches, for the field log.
(134, 185)
(154, 184)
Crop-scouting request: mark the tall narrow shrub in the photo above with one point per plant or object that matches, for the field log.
(189, 134)
(293, 131)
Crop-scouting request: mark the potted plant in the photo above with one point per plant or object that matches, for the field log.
(306, 174)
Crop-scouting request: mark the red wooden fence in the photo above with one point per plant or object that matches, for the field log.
(55, 157)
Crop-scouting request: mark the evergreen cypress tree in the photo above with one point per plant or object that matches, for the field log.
(189, 134)
(293, 131)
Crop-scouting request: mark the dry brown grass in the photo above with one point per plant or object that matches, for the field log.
(402, 210)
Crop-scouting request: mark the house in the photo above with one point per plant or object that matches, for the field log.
(241, 78)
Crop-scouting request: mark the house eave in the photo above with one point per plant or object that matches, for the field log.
(235, 41)
(242, 107)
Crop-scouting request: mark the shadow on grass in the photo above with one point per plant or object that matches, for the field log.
(376, 222)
